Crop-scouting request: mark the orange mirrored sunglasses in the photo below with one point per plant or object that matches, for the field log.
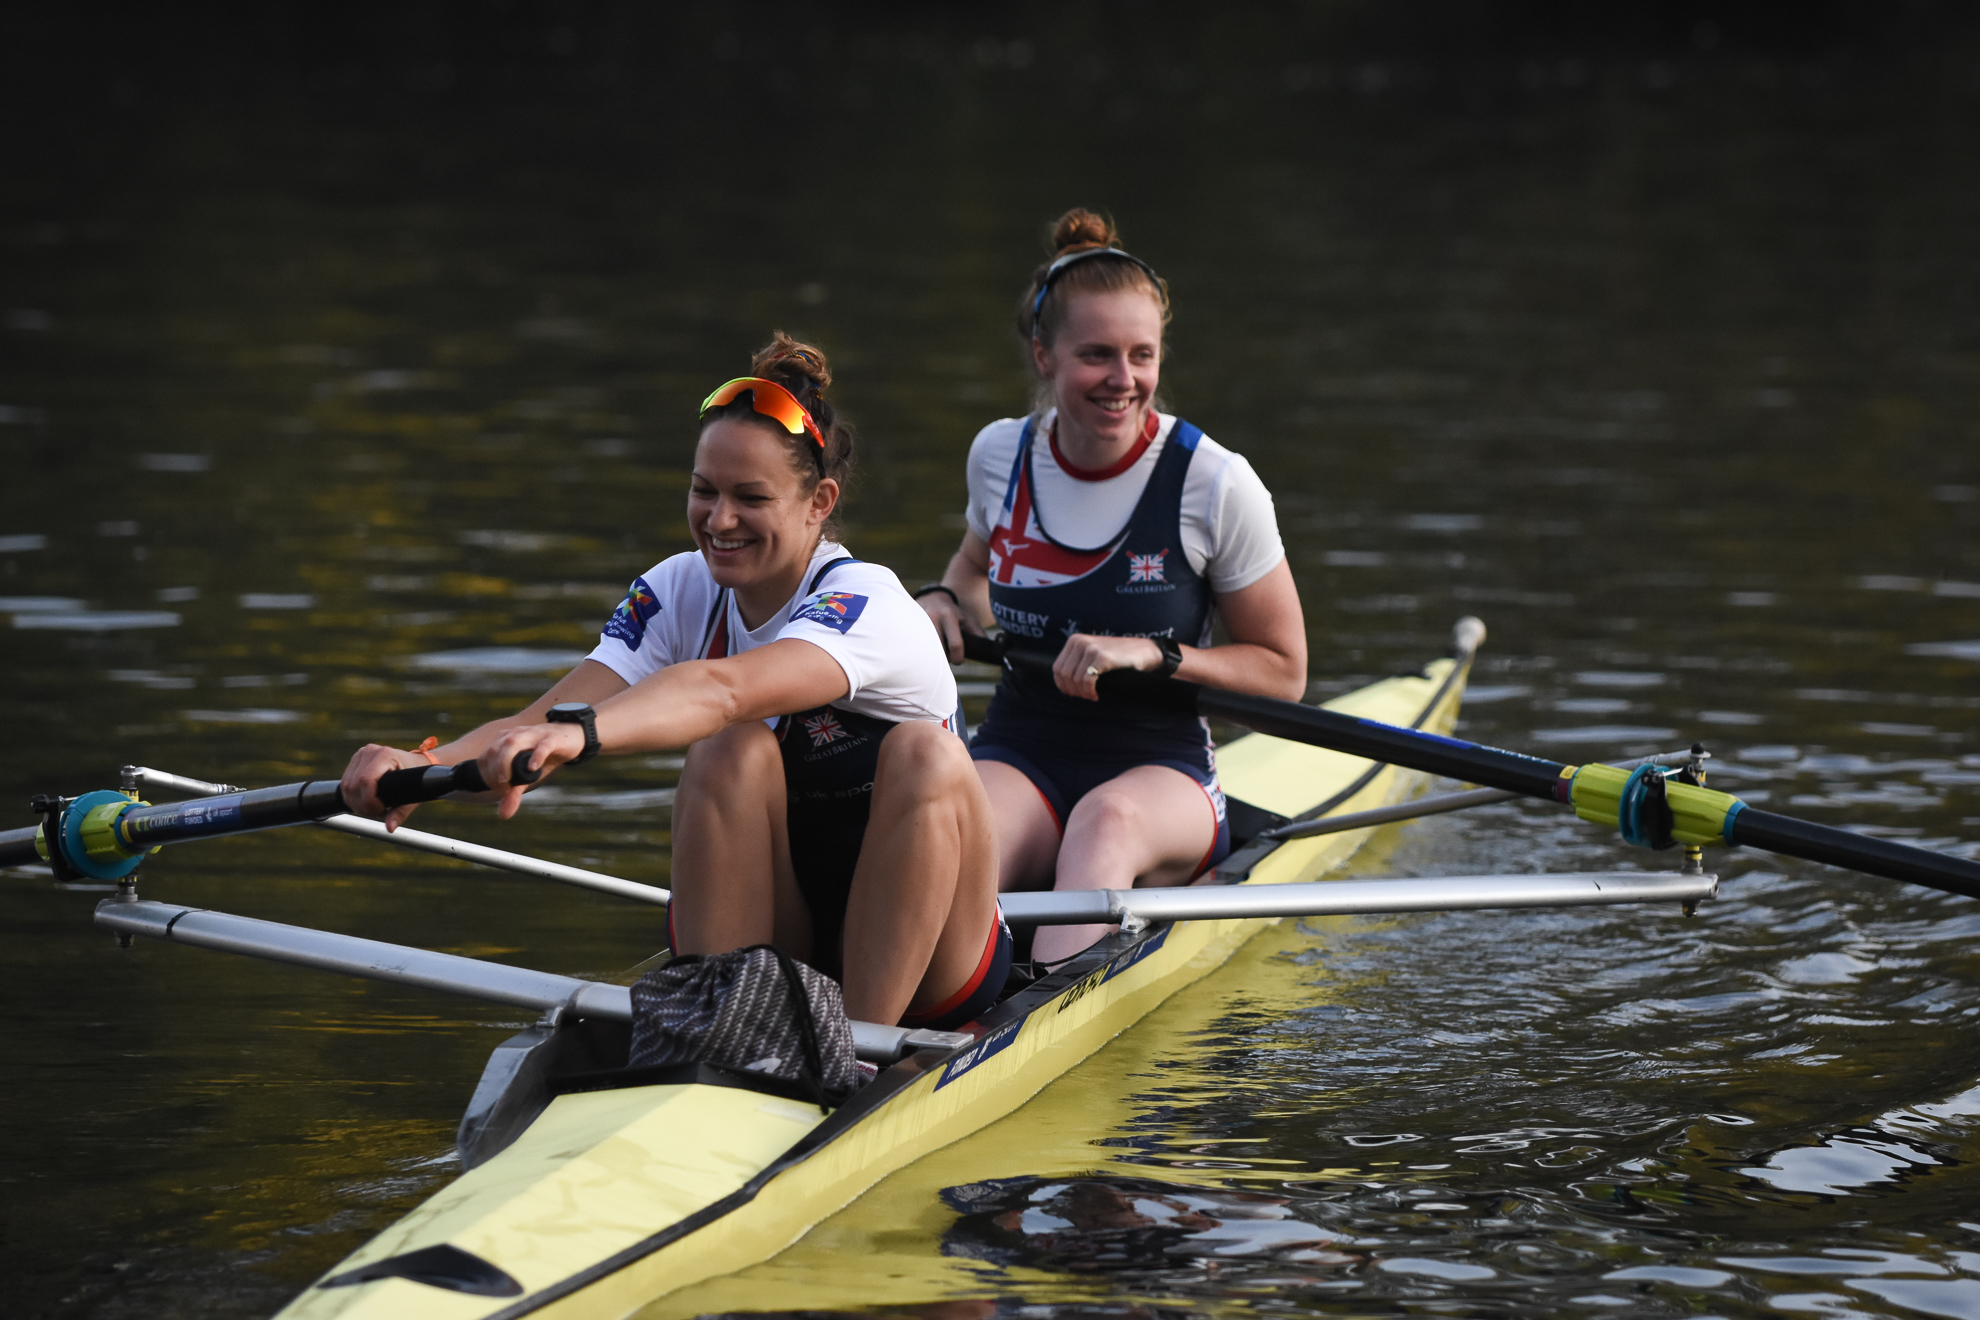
(770, 399)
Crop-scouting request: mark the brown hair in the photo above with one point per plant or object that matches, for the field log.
(803, 370)
(1081, 230)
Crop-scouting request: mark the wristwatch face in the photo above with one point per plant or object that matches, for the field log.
(568, 710)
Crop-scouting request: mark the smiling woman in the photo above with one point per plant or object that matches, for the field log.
(1115, 533)
(827, 804)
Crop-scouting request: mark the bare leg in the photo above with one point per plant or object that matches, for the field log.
(925, 891)
(1027, 832)
(1150, 825)
(733, 883)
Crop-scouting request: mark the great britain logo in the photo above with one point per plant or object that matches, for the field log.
(1147, 568)
(824, 729)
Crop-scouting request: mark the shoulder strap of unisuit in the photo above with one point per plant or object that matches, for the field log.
(819, 576)
(716, 632)
(1018, 464)
(1165, 483)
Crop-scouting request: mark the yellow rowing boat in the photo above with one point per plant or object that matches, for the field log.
(621, 1197)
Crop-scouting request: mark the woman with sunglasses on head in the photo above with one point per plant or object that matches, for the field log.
(1112, 533)
(827, 804)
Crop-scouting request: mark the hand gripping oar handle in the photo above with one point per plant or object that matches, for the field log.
(104, 835)
(429, 783)
(1602, 794)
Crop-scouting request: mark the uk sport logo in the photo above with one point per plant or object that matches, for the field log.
(824, 729)
(834, 609)
(1147, 568)
(628, 622)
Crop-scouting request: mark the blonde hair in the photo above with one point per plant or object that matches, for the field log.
(1080, 230)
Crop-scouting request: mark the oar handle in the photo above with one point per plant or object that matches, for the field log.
(400, 788)
(1116, 685)
(983, 650)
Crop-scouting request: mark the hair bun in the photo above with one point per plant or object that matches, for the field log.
(1080, 228)
(792, 363)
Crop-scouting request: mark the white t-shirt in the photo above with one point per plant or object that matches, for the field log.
(1230, 532)
(860, 615)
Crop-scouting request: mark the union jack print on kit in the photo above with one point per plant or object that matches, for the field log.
(824, 729)
(1147, 568)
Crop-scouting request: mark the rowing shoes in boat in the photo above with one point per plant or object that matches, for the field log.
(592, 1190)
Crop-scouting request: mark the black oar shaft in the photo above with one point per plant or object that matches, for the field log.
(285, 804)
(1433, 753)
(114, 832)
(1488, 767)
(230, 813)
(1858, 852)
(1591, 790)
(17, 846)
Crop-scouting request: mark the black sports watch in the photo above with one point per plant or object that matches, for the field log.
(1171, 654)
(576, 712)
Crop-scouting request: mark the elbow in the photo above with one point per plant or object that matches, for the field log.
(712, 700)
(1292, 675)
(726, 704)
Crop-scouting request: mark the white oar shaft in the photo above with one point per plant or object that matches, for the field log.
(1331, 898)
(507, 861)
(138, 778)
(1415, 807)
(375, 960)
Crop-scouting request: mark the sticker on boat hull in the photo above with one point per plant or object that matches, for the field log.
(991, 1045)
(1136, 954)
(1093, 980)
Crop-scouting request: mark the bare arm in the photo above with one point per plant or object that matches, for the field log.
(590, 682)
(1267, 650)
(1266, 654)
(968, 576)
(680, 704)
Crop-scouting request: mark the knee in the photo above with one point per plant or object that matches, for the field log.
(1110, 809)
(925, 757)
(735, 755)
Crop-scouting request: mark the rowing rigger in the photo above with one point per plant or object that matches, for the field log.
(106, 835)
(1132, 909)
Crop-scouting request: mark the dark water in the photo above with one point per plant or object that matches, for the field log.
(336, 349)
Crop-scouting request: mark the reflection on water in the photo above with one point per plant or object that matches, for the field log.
(343, 390)
(1123, 1224)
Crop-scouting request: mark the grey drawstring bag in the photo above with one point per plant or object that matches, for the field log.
(754, 1010)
